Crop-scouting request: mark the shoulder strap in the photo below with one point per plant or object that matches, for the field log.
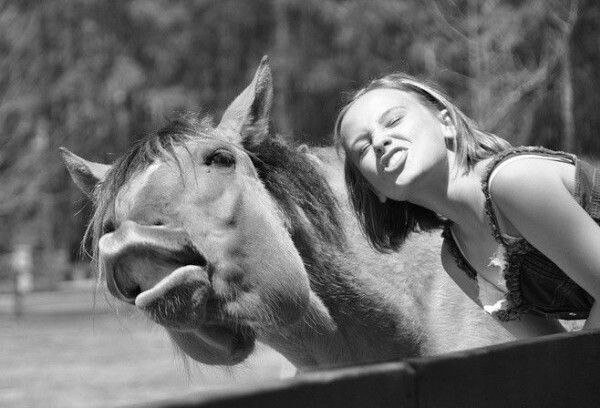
(500, 158)
(455, 251)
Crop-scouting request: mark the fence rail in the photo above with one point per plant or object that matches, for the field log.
(561, 370)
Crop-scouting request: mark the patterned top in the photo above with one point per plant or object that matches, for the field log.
(530, 282)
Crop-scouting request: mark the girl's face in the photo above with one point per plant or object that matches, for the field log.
(395, 141)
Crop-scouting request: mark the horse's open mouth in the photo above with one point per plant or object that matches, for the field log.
(183, 303)
(152, 271)
(181, 300)
(182, 279)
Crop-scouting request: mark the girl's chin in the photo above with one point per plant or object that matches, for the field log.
(397, 194)
(402, 186)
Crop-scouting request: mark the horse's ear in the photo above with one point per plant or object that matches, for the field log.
(251, 108)
(85, 174)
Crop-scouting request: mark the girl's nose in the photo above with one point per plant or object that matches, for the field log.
(380, 142)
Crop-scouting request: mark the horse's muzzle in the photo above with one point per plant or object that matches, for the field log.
(136, 257)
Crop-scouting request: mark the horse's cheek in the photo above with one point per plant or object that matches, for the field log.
(258, 271)
(278, 272)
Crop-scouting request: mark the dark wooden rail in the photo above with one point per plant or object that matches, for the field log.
(561, 370)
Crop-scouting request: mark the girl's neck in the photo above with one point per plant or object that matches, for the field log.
(457, 197)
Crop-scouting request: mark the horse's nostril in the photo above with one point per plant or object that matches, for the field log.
(131, 293)
(108, 226)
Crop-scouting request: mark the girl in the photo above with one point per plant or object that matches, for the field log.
(521, 233)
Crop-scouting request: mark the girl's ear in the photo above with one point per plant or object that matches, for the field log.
(448, 129)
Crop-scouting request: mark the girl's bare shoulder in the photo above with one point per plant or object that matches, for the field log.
(529, 190)
(529, 176)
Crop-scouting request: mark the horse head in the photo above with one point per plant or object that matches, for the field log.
(186, 229)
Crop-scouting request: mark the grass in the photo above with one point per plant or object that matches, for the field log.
(61, 354)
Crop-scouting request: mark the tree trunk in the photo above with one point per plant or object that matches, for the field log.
(566, 79)
(477, 52)
(282, 65)
(566, 100)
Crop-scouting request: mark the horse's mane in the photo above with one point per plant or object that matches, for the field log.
(301, 191)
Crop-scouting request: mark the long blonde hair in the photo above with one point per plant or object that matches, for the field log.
(388, 224)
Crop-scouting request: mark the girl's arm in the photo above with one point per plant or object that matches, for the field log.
(531, 195)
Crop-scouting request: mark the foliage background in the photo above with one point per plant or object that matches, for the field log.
(95, 75)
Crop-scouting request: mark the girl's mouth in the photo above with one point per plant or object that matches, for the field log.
(393, 160)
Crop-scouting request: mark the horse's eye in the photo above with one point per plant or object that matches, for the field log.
(222, 158)
(108, 226)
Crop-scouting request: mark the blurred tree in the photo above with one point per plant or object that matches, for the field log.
(96, 75)
(585, 63)
(283, 50)
(509, 54)
(564, 16)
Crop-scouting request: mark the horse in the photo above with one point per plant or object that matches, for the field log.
(227, 235)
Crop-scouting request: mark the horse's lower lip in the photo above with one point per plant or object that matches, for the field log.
(180, 276)
(228, 345)
(230, 342)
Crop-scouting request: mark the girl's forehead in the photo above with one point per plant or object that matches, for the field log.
(382, 98)
(369, 107)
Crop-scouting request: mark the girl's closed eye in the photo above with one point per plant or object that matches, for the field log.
(392, 117)
(394, 120)
(361, 145)
(361, 150)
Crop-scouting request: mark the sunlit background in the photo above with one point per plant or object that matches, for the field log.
(94, 76)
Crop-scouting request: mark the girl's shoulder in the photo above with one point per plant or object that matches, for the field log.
(523, 178)
(526, 162)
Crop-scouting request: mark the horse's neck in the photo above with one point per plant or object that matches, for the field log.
(349, 321)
